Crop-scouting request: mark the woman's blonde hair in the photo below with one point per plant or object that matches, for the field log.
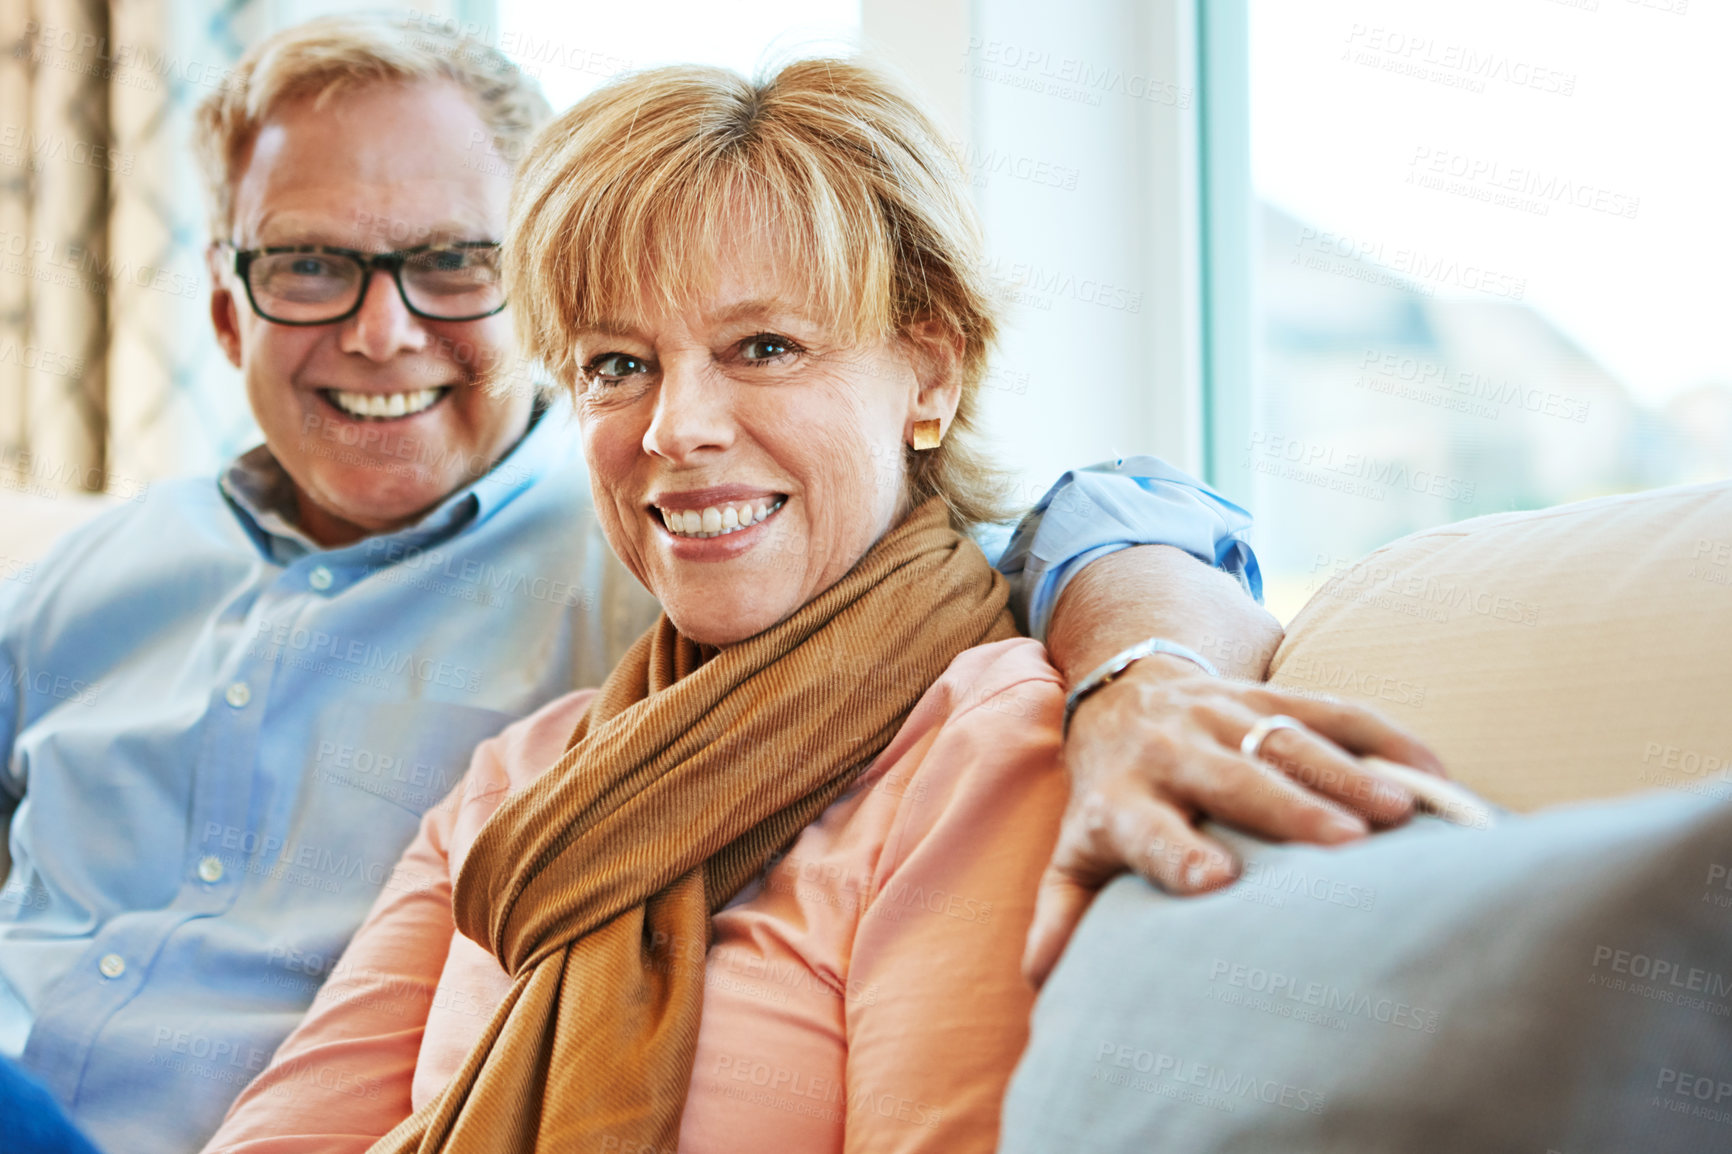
(321, 58)
(638, 192)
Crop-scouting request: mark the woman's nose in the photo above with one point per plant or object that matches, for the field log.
(693, 413)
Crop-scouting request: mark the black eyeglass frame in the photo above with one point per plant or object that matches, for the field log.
(391, 262)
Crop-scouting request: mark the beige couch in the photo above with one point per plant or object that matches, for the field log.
(29, 524)
(1562, 654)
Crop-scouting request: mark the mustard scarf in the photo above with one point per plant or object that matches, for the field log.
(594, 887)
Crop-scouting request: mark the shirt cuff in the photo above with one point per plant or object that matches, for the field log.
(1089, 513)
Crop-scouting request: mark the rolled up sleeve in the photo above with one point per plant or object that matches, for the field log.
(1089, 513)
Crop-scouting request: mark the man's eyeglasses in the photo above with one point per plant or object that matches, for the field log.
(315, 284)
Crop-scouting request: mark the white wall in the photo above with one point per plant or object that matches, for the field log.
(1080, 124)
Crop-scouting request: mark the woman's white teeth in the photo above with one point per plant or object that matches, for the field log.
(385, 404)
(718, 520)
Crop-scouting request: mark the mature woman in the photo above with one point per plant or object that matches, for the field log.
(767, 888)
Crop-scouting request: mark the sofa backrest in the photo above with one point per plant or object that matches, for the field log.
(31, 522)
(1568, 653)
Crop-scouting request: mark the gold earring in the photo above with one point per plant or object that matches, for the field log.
(926, 435)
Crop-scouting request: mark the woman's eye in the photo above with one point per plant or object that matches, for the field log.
(611, 368)
(766, 347)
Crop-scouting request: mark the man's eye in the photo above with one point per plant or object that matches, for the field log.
(611, 368)
(766, 347)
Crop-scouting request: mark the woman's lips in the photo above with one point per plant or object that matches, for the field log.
(718, 520)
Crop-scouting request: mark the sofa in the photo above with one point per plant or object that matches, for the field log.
(1561, 981)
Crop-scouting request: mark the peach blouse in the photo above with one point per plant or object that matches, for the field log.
(864, 994)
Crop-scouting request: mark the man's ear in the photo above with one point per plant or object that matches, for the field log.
(936, 351)
(224, 314)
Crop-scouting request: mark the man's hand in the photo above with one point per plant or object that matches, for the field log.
(1157, 750)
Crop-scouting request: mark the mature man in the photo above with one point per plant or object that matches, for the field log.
(284, 670)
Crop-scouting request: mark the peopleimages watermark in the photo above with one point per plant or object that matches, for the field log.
(1337, 677)
(377, 444)
(18, 569)
(1670, 7)
(752, 1079)
(1422, 595)
(983, 164)
(1686, 770)
(1512, 186)
(1711, 560)
(1460, 66)
(22, 148)
(415, 784)
(1659, 979)
(1719, 877)
(1684, 1092)
(1476, 394)
(1271, 885)
(78, 266)
(1039, 285)
(1116, 1063)
(36, 357)
(1359, 474)
(1319, 1003)
(1400, 267)
(530, 52)
(303, 863)
(128, 65)
(1066, 77)
(356, 659)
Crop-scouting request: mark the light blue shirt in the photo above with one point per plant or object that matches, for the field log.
(219, 737)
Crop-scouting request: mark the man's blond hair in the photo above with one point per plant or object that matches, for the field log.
(322, 58)
(643, 189)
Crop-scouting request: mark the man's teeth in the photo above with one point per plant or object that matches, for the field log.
(719, 520)
(385, 404)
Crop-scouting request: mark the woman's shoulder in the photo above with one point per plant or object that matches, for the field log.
(523, 750)
(984, 671)
(997, 708)
(1012, 680)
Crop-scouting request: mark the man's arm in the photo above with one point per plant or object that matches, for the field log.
(1089, 514)
(1113, 555)
(1157, 749)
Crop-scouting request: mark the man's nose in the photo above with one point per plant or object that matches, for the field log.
(384, 326)
(693, 413)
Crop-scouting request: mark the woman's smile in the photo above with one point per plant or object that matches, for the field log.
(714, 512)
(713, 524)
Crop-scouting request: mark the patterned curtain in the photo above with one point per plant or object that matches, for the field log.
(109, 375)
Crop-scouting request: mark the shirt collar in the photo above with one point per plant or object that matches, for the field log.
(263, 497)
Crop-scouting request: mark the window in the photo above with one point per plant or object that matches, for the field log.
(1490, 243)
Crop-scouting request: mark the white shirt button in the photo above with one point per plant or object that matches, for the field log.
(319, 578)
(112, 965)
(210, 869)
(238, 695)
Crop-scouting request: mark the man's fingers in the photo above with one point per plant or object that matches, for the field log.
(1157, 840)
(1257, 797)
(1322, 767)
(1101, 834)
(1058, 908)
(1353, 727)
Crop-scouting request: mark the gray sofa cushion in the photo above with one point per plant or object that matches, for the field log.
(1561, 982)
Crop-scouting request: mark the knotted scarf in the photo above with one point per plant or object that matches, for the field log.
(594, 887)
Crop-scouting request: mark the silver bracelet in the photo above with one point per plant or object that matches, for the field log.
(1106, 673)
